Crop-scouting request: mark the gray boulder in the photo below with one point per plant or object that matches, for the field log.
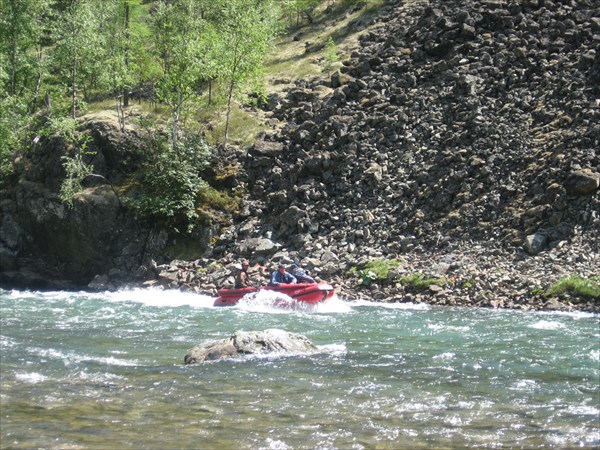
(582, 182)
(535, 243)
(251, 343)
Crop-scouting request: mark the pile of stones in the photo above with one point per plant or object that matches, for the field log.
(456, 127)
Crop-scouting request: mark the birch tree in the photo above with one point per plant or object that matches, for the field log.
(180, 45)
(247, 30)
(78, 45)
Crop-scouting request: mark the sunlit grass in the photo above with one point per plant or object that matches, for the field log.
(375, 270)
(303, 57)
(575, 286)
(419, 282)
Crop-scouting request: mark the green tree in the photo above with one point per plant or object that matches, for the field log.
(247, 30)
(169, 183)
(296, 9)
(181, 45)
(22, 30)
(331, 54)
(120, 55)
(79, 50)
(22, 69)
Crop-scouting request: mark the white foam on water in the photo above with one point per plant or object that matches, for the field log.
(445, 356)
(524, 385)
(272, 302)
(74, 358)
(573, 314)
(100, 377)
(547, 325)
(390, 305)
(31, 377)
(146, 296)
(584, 410)
(443, 327)
(275, 445)
(333, 305)
(158, 298)
(7, 342)
(333, 349)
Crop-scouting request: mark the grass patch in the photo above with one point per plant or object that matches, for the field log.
(244, 125)
(419, 282)
(302, 52)
(575, 286)
(469, 283)
(213, 198)
(375, 270)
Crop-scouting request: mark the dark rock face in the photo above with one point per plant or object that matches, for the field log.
(469, 129)
(46, 244)
(251, 343)
(455, 121)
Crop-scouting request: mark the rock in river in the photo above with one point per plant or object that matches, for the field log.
(250, 343)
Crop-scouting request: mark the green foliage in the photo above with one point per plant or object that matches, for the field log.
(214, 198)
(246, 33)
(575, 286)
(75, 167)
(419, 282)
(375, 270)
(77, 170)
(469, 283)
(331, 55)
(79, 50)
(14, 128)
(297, 10)
(22, 32)
(169, 182)
(183, 44)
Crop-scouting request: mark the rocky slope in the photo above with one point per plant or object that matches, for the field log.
(461, 138)
(456, 122)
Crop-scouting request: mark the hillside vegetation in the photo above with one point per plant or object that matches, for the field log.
(457, 140)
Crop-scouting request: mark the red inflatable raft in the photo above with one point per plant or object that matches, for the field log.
(307, 293)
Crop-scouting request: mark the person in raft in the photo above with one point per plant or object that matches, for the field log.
(301, 274)
(281, 276)
(242, 279)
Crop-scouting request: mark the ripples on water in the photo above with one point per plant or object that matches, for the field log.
(106, 371)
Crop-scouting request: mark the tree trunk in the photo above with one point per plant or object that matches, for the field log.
(126, 90)
(74, 90)
(176, 114)
(229, 98)
(13, 62)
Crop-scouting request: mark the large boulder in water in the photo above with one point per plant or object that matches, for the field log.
(251, 343)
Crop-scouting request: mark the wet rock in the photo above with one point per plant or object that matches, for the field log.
(244, 343)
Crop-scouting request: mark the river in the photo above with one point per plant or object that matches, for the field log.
(105, 371)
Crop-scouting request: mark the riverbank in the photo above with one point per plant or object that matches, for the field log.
(456, 143)
(486, 275)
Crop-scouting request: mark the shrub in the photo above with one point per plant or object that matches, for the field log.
(375, 270)
(169, 182)
(76, 168)
(331, 54)
(419, 282)
(575, 286)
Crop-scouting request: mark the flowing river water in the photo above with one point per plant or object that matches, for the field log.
(105, 371)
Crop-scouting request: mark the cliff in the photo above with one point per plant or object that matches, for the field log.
(460, 136)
